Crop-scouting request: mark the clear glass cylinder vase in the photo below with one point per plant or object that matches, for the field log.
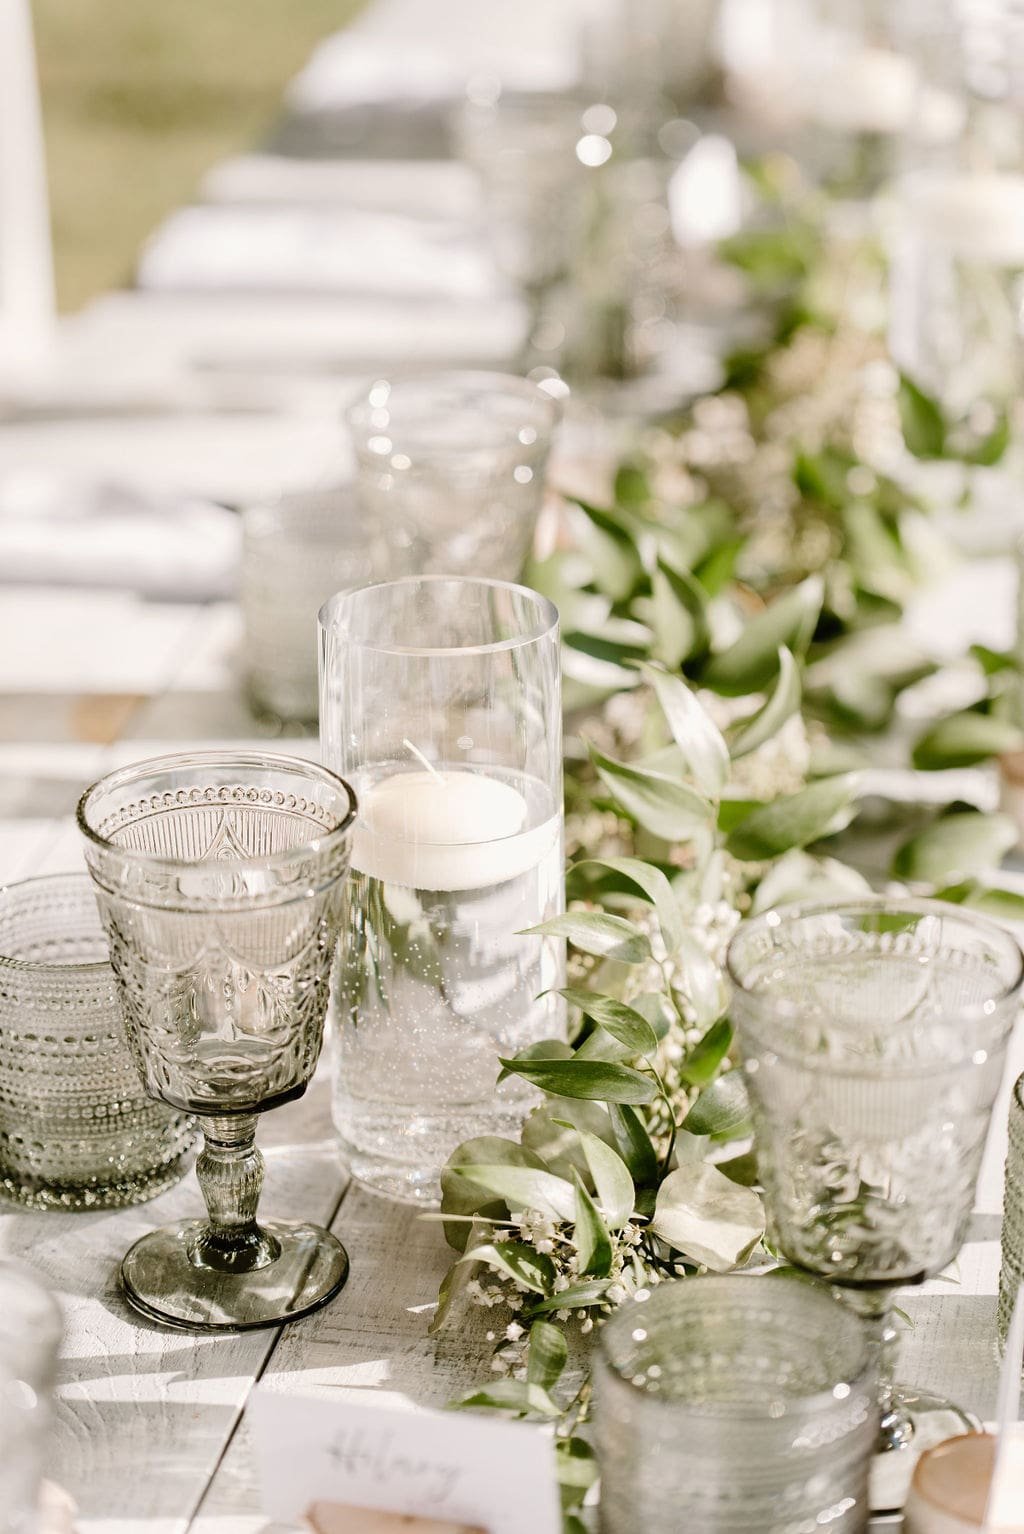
(441, 701)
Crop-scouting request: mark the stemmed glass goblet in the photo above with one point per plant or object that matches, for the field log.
(219, 877)
(873, 1034)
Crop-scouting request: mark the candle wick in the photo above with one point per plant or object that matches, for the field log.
(420, 757)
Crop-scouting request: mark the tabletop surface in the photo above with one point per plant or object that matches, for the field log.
(151, 1432)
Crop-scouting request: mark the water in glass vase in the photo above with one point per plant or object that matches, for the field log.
(437, 978)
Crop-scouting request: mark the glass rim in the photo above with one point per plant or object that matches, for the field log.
(739, 1411)
(150, 766)
(995, 934)
(46, 966)
(547, 622)
(484, 381)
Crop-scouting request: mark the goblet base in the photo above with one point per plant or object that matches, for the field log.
(919, 1422)
(163, 1282)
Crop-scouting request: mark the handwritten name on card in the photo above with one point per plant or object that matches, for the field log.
(497, 1476)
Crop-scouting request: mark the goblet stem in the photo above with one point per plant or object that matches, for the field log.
(230, 1172)
(875, 1307)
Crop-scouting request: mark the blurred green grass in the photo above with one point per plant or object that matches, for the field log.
(140, 97)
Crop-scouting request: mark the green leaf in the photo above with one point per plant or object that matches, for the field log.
(924, 428)
(576, 1297)
(632, 487)
(697, 736)
(625, 1025)
(454, 1283)
(547, 1355)
(544, 1049)
(722, 1111)
(609, 548)
(705, 1057)
(993, 900)
(461, 1197)
(520, 1396)
(661, 805)
(591, 1238)
(595, 932)
(799, 876)
(701, 980)
(794, 820)
(518, 1261)
(707, 1218)
(824, 477)
(654, 884)
(992, 447)
(523, 1187)
(782, 702)
(676, 634)
(752, 662)
(634, 1144)
(959, 842)
(742, 1169)
(560, 1149)
(960, 740)
(596, 1080)
(576, 1469)
(600, 1045)
(677, 611)
(616, 1194)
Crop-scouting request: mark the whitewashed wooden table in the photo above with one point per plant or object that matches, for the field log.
(151, 1432)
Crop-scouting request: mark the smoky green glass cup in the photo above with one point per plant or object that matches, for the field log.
(77, 1127)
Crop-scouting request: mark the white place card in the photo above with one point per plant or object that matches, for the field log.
(456, 1466)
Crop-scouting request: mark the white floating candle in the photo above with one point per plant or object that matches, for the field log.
(446, 830)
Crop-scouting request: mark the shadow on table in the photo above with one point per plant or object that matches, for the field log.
(137, 1459)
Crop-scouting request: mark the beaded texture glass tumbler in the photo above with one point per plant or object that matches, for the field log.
(77, 1130)
(734, 1405)
(874, 1034)
(219, 880)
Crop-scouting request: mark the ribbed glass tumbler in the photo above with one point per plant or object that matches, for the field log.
(77, 1128)
(734, 1405)
(873, 1035)
(219, 878)
(1011, 1273)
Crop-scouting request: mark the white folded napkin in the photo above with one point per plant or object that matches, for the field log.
(268, 333)
(433, 189)
(56, 530)
(316, 250)
(403, 51)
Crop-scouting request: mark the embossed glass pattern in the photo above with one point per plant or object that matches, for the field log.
(451, 469)
(219, 881)
(734, 1405)
(77, 1129)
(1011, 1274)
(874, 1035)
